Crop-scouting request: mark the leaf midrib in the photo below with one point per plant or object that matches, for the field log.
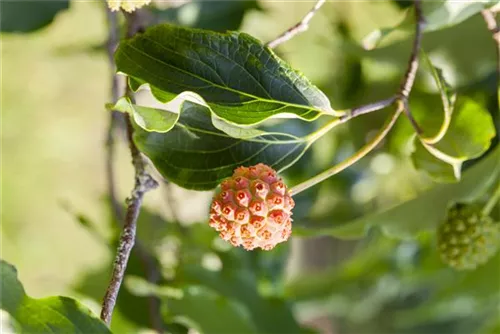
(307, 108)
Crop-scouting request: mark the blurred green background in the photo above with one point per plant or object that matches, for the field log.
(56, 80)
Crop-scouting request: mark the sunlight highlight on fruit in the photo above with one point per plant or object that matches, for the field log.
(253, 208)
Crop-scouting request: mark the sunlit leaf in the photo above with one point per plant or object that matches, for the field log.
(45, 315)
(242, 81)
(467, 136)
(438, 15)
(470, 132)
(156, 119)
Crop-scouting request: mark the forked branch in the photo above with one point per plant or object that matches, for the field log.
(400, 99)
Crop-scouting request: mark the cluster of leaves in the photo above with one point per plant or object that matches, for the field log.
(204, 284)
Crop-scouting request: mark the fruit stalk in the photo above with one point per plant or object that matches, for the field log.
(352, 159)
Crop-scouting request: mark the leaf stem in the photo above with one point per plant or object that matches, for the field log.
(368, 108)
(298, 28)
(348, 115)
(492, 202)
(312, 137)
(352, 159)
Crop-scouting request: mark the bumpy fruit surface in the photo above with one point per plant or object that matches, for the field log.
(253, 208)
(467, 238)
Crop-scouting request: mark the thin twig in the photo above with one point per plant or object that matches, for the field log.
(407, 81)
(368, 108)
(494, 28)
(400, 99)
(143, 183)
(411, 70)
(299, 27)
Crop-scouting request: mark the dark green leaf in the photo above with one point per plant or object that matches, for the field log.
(425, 211)
(438, 15)
(242, 81)
(209, 312)
(46, 315)
(196, 155)
(492, 326)
(403, 3)
(205, 14)
(27, 16)
(270, 315)
(368, 263)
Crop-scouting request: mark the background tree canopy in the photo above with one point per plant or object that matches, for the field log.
(366, 246)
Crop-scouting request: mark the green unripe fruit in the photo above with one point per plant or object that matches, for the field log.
(467, 238)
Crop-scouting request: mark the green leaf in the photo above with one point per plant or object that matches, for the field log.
(270, 315)
(209, 312)
(196, 155)
(163, 119)
(491, 326)
(470, 133)
(242, 81)
(423, 212)
(26, 16)
(150, 119)
(46, 315)
(211, 15)
(439, 170)
(467, 136)
(438, 15)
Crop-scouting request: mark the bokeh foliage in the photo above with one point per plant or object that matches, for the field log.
(393, 282)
